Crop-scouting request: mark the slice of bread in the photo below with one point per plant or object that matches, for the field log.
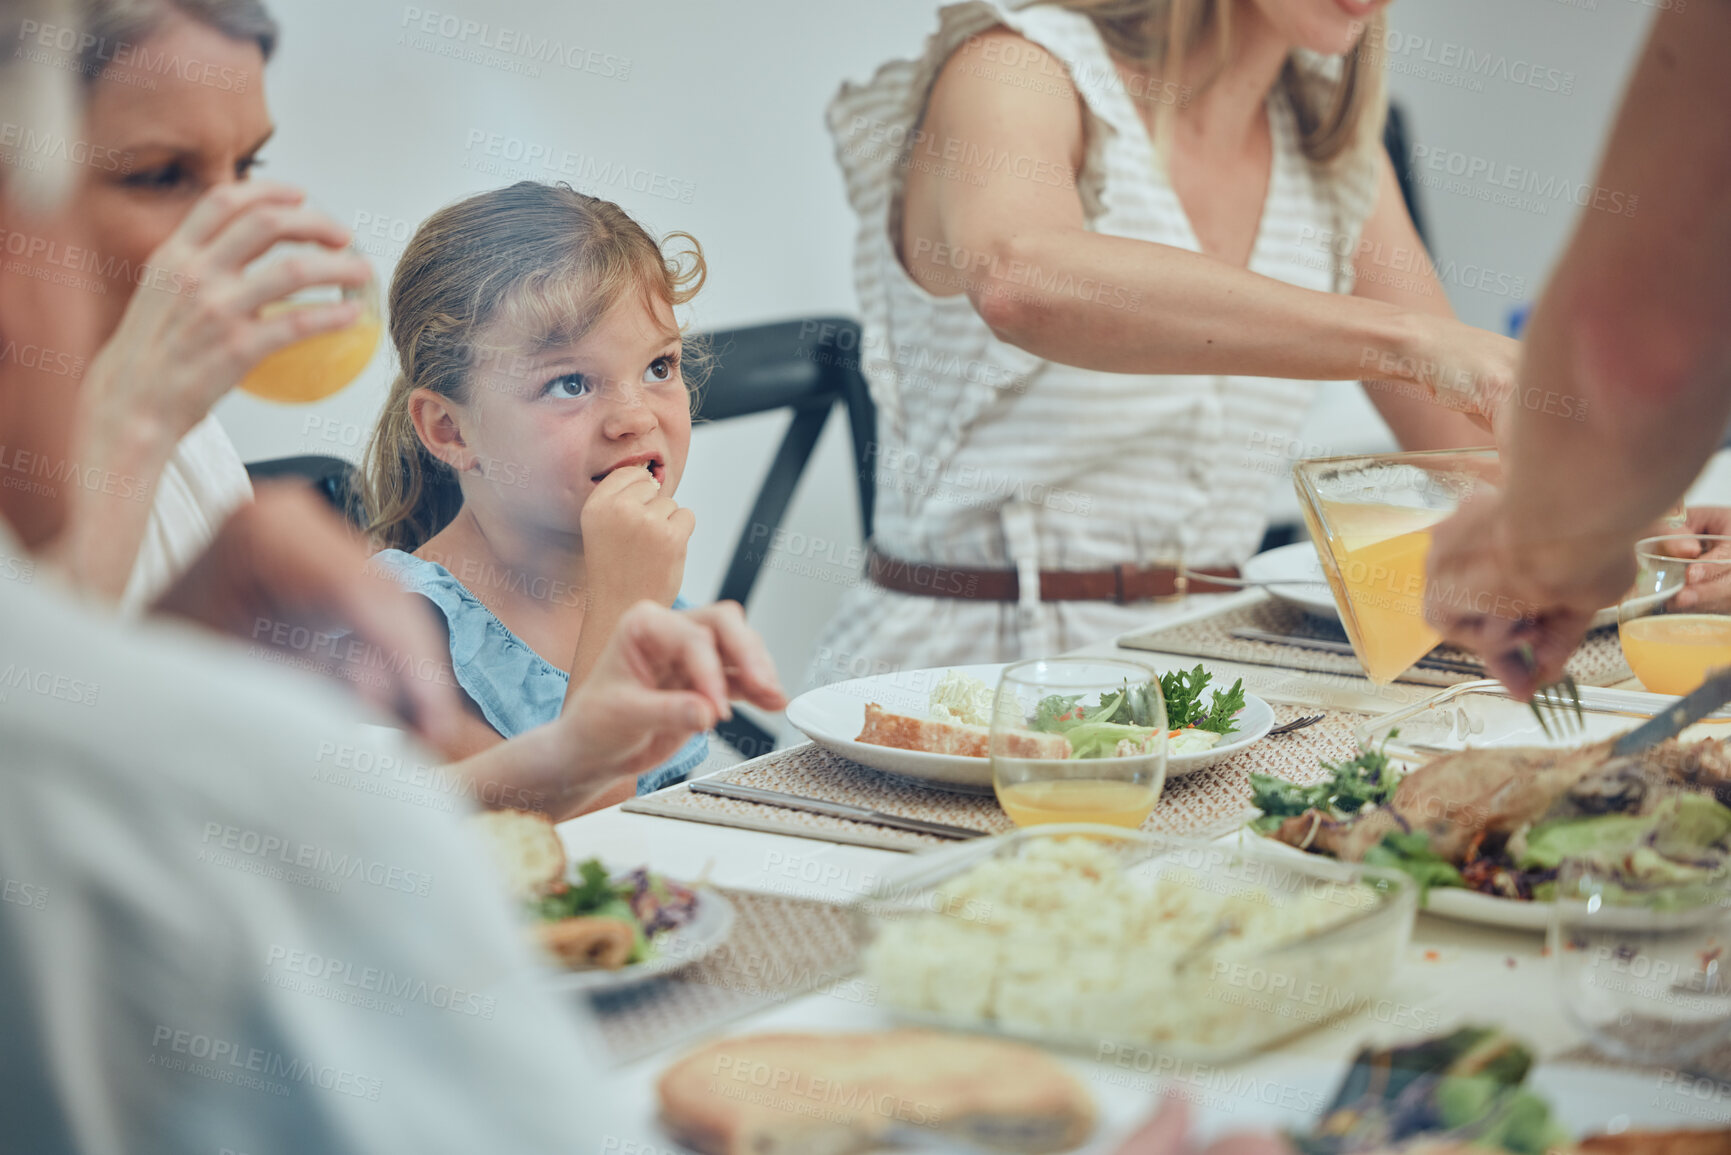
(527, 849)
(903, 732)
(795, 1094)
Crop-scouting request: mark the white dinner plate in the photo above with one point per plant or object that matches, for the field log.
(832, 716)
(1299, 571)
(1455, 902)
(669, 952)
(1462, 905)
(1298, 565)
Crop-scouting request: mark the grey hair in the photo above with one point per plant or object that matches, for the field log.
(44, 99)
(108, 23)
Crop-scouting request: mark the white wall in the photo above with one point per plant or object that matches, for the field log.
(715, 112)
(1494, 256)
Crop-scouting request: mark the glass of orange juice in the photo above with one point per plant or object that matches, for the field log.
(1078, 740)
(1673, 648)
(313, 369)
(1370, 518)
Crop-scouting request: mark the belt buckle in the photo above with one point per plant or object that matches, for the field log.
(1125, 572)
(1180, 585)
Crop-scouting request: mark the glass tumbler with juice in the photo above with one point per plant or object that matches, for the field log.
(1673, 648)
(316, 367)
(1078, 740)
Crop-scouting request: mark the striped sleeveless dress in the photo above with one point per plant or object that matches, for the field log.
(990, 456)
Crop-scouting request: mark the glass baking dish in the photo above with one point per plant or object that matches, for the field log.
(1204, 951)
(1483, 714)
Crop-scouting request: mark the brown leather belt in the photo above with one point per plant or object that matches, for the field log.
(1121, 583)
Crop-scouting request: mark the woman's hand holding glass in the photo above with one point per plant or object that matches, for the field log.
(1674, 624)
(1707, 587)
(199, 319)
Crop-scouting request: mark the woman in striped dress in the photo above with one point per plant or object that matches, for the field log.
(1107, 251)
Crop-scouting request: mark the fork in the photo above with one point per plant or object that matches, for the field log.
(1295, 724)
(1558, 703)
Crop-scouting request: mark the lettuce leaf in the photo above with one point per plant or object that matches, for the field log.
(1412, 853)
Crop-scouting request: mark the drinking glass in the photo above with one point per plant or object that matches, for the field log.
(314, 368)
(1673, 648)
(1642, 970)
(1370, 518)
(1078, 740)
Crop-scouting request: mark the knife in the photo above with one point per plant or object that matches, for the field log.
(831, 809)
(1714, 693)
(1447, 665)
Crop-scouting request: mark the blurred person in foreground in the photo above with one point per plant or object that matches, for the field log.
(195, 907)
(1636, 325)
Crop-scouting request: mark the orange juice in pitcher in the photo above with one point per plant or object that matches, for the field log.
(1378, 571)
(1370, 519)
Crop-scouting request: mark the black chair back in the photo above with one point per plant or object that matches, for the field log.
(332, 477)
(808, 366)
(1398, 141)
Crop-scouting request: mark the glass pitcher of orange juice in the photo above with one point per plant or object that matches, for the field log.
(1370, 518)
(316, 367)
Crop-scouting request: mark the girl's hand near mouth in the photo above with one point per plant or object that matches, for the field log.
(634, 541)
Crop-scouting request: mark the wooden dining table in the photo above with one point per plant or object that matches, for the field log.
(1451, 973)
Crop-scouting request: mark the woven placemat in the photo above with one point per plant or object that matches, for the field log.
(1205, 804)
(1599, 661)
(779, 948)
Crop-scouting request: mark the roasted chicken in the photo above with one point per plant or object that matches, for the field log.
(1477, 799)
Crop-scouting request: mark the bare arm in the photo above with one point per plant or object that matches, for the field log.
(472, 737)
(662, 677)
(1636, 323)
(1017, 245)
(1632, 333)
(598, 626)
(1391, 265)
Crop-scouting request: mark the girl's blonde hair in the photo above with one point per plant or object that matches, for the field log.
(533, 263)
(1335, 115)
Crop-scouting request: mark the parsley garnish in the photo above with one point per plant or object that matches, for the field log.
(1354, 784)
(592, 892)
(1182, 690)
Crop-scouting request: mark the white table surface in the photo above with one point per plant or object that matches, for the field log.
(1453, 972)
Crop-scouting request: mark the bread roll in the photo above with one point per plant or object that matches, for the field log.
(527, 850)
(794, 1094)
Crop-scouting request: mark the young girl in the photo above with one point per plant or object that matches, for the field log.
(522, 474)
